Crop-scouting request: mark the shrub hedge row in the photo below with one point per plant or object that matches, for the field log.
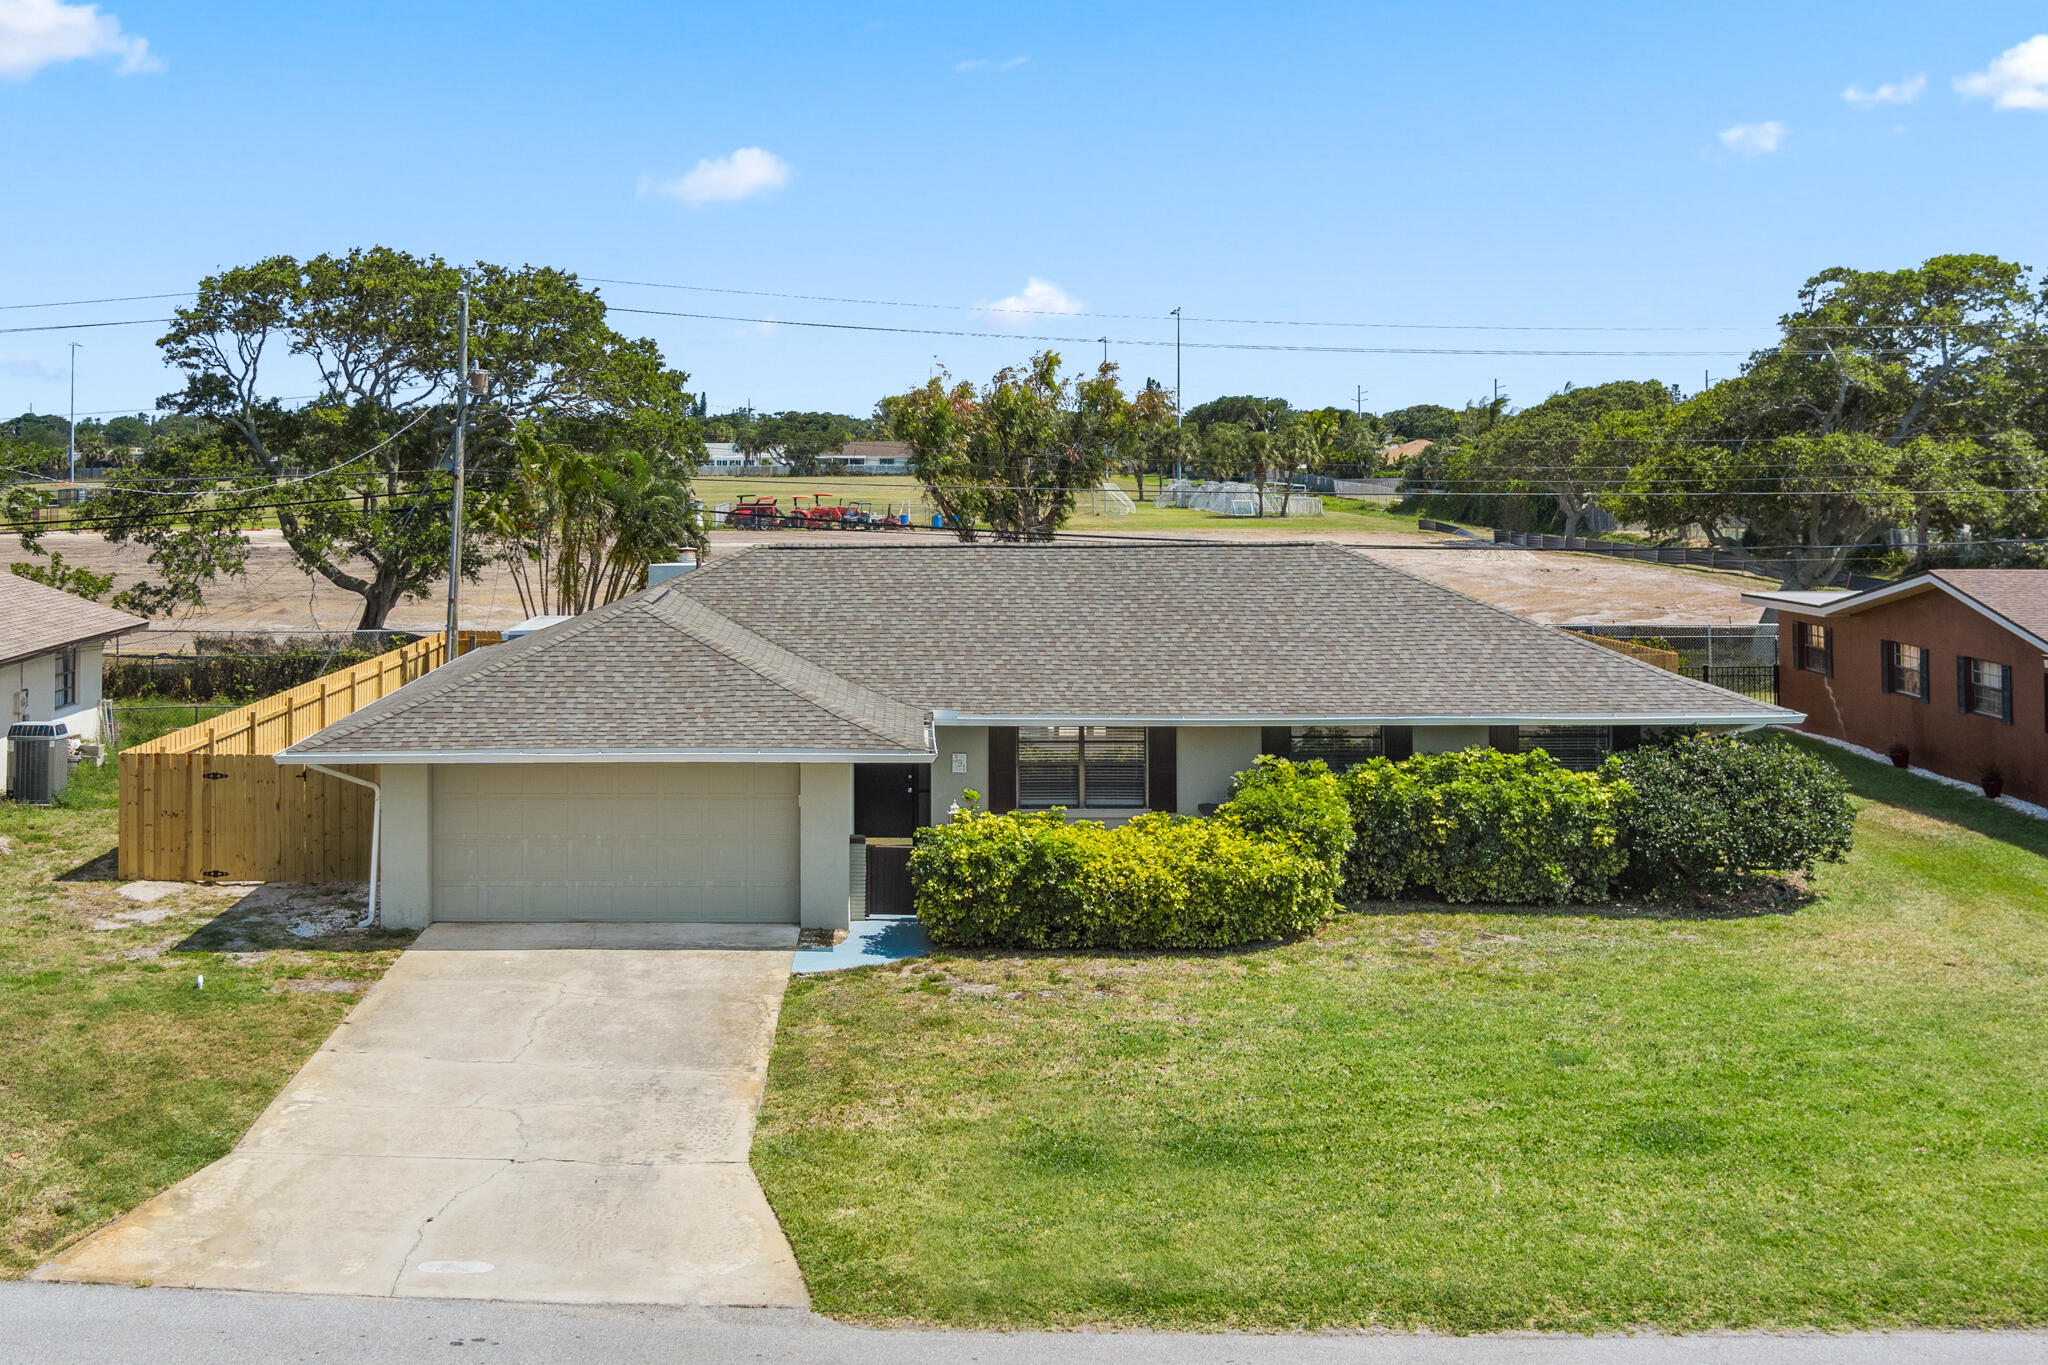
(1294, 842)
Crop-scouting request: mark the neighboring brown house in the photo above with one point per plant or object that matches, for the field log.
(1949, 664)
(1394, 455)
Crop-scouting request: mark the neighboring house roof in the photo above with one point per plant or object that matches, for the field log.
(1396, 454)
(653, 676)
(37, 620)
(1183, 634)
(2015, 598)
(873, 450)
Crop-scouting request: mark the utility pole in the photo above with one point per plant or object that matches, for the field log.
(71, 427)
(455, 510)
(1105, 349)
(1358, 402)
(1176, 392)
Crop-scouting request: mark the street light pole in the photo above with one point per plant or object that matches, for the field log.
(1176, 392)
(455, 510)
(71, 424)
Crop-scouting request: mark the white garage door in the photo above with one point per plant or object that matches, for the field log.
(691, 842)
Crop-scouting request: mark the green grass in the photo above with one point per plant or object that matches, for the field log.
(1829, 1113)
(117, 1076)
(881, 490)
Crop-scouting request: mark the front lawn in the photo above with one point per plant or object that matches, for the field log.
(118, 1075)
(1831, 1113)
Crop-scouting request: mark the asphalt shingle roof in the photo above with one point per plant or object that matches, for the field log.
(850, 649)
(2019, 595)
(36, 620)
(653, 673)
(1219, 631)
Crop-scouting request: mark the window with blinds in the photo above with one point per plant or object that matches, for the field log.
(1905, 669)
(1080, 766)
(1815, 649)
(1340, 746)
(1984, 688)
(1581, 748)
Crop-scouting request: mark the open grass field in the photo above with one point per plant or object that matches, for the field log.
(1827, 1113)
(118, 1076)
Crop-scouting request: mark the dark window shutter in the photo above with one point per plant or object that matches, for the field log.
(1962, 682)
(1002, 768)
(1627, 737)
(1884, 665)
(1506, 738)
(1162, 767)
(1399, 740)
(2005, 681)
(1277, 740)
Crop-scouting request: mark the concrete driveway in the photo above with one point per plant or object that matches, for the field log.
(556, 1113)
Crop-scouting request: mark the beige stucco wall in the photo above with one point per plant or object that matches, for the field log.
(1443, 739)
(824, 832)
(971, 741)
(1207, 757)
(405, 874)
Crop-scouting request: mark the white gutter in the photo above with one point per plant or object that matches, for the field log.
(1769, 716)
(616, 756)
(376, 830)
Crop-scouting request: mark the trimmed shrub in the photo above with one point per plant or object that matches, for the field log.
(1300, 804)
(1708, 811)
(1480, 825)
(1035, 881)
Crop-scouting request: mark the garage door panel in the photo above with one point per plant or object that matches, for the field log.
(644, 842)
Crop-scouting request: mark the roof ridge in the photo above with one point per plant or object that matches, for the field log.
(815, 696)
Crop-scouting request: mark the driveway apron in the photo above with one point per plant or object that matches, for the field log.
(556, 1113)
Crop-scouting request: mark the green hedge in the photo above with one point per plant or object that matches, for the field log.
(1032, 880)
(1706, 812)
(1481, 825)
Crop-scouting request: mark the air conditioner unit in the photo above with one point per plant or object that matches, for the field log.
(40, 751)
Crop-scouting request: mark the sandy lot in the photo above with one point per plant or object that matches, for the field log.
(1544, 586)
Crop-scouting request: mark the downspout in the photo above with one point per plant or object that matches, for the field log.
(376, 830)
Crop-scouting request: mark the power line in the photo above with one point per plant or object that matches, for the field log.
(80, 326)
(1125, 341)
(80, 303)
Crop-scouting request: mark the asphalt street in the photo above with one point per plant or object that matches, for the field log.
(56, 1324)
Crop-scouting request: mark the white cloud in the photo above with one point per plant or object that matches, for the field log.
(1038, 296)
(1900, 92)
(971, 64)
(720, 180)
(976, 63)
(1754, 139)
(1012, 64)
(2016, 79)
(39, 33)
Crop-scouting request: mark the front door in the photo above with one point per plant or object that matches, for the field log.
(890, 801)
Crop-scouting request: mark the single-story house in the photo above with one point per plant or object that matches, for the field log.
(50, 657)
(1948, 663)
(869, 457)
(711, 748)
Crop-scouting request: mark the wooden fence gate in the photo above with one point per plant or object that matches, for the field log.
(211, 803)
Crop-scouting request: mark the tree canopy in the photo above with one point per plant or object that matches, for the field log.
(357, 476)
(1008, 456)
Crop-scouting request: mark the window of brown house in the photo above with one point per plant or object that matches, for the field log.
(1905, 669)
(1815, 649)
(1984, 688)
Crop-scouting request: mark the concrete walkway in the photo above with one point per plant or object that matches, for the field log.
(555, 1113)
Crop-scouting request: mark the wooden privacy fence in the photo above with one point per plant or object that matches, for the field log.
(210, 803)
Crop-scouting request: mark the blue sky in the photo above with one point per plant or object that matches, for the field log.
(1622, 165)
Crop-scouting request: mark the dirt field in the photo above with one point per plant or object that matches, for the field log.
(1549, 587)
